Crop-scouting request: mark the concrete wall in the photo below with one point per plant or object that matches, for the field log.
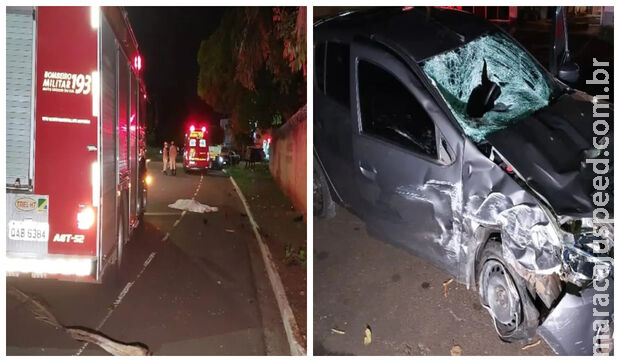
(287, 159)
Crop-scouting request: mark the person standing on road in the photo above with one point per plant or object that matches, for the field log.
(165, 158)
(173, 158)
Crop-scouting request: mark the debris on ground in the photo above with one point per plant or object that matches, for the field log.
(230, 230)
(456, 350)
(407, 350)
(192, 205)
(112, 347)
(367, 336)
(423, 349)
(445, 287)
(459, 319)
(295, 256)
(338, 331)
(81, 334)
(530, 345)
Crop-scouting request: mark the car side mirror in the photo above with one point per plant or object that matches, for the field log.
(569, 72)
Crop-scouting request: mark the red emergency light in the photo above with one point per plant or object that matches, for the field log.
(137, 62)
(193, 128)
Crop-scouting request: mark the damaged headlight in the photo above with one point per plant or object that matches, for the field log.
(589, 256)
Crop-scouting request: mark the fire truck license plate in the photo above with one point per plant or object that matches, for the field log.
(28, 230)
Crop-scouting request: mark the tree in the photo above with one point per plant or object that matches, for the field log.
(253, 67)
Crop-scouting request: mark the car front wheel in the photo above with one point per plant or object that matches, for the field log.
(505, 296)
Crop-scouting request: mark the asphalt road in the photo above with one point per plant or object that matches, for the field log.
(361, 281)
(204, 292)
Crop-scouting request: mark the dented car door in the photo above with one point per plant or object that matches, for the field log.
(405, 169)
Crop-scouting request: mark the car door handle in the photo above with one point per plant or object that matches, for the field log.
(368, 171)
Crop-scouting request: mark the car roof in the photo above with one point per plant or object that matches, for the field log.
(420, 31)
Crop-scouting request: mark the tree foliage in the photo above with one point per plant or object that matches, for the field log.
(253, 67)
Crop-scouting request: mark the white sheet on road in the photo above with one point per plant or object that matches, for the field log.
(192, 205)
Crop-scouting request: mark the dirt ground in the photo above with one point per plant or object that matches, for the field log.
(361, 281)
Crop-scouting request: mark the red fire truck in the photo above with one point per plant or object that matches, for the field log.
(196, 148)
(75, 162)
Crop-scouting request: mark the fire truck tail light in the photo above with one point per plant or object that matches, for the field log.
(192, 128)
(62, 266)
(86, 218)
(204, 129)
(94, 180)
(94, 17)
(137, 62)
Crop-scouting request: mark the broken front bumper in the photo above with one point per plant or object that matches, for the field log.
(571, 328)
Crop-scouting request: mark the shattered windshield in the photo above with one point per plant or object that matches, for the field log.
(524, 87)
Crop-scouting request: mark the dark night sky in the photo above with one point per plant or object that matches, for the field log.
(169, 39)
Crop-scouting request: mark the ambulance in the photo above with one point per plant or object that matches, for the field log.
(196, 149)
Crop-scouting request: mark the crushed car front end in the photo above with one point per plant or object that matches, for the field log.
(532, 174)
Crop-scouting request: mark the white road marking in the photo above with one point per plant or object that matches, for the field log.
(146, 263)
(124, 292)
(286, 313)
(149, 259)
(119, 299)
(198, 187)
(161, 213)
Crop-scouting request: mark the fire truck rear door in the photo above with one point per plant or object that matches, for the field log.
(19, 90)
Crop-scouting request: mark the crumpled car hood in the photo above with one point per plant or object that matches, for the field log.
(548, 149)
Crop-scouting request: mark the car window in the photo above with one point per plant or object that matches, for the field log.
(319, 66)
(192, 142)
(203, 143)
(337, 77)
(390, 112)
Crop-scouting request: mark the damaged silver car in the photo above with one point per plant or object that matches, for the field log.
(449, 139)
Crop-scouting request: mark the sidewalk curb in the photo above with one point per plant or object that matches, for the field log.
(288, 319)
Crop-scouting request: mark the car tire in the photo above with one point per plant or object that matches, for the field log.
(505, 296)
(323, 204)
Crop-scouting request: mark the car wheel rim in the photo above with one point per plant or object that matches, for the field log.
(500, 297)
